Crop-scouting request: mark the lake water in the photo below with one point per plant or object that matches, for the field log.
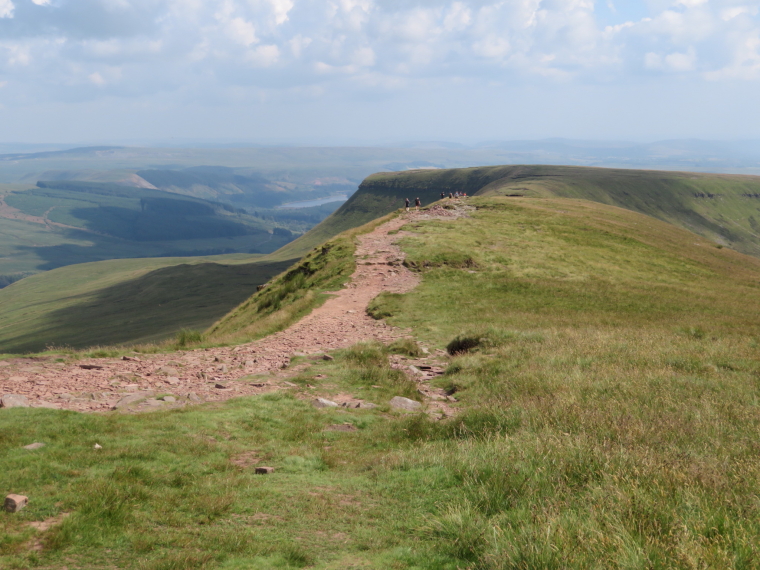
(317, 202)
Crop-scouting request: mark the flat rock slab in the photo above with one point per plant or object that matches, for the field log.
(14, 503)
(131, 399)
(401, 403)
(322, 403)
(264, 470)
(14, 401)
(35, 445)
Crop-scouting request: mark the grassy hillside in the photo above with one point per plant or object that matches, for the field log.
(294, 293)
(62, 223)
(719, 207)
(126, 301)
(722, 207)
(605, 365)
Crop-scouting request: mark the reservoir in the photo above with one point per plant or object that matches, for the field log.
(316, 202)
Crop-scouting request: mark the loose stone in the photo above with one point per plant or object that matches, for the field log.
(401, 403)
(14, 503)
(14, 401)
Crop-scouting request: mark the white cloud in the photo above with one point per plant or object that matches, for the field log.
(457, 18)
(242, 32)
(97, 79)
(681, 61)
(264, 56)
(6, 8)
(281, 8)
(198, 46)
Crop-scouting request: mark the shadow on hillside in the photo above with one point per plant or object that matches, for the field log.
(151, 307)
(105, 247)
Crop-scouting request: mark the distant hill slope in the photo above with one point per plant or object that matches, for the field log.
(126, 300)
(64, 222)
(722, 207)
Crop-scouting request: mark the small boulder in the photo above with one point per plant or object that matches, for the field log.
(172, 381)
(322, 403)
(167, 371)
(401, 403)
(35, 445)
(264, 470)
(97, 446)
(366, 406)
(327, 357)
(131, 399)
(14, 503)
(193, 397)
(219, 386)
(14, 401)
(169, 399)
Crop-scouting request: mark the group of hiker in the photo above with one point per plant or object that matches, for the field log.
(452, 196)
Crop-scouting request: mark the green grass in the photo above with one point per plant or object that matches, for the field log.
(113, 226)
(294, 293)
(608, 401)
(722, 207)
(177, 489)
(608, 363)
(126, 300)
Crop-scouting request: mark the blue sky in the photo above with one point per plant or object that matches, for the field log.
(377, 71)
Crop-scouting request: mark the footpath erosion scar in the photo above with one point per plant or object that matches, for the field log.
(133, 383)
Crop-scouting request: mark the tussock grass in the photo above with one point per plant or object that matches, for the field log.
(610, 386)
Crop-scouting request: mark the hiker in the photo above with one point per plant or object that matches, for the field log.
(407, 204)
(443, 195)
(451, 196)
(417, 204)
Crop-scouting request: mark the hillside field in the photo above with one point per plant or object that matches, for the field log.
(605, 366)
(126, 300)
(722, 208)
(59, 223)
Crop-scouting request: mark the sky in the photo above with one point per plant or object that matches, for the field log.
(377, 71)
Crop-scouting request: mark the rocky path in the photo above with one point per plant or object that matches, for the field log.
(134, 383)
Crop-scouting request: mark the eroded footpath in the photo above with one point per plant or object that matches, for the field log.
(144, 382)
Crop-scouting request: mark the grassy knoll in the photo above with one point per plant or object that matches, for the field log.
(126, 300)
(606, 366)
(722, 207)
